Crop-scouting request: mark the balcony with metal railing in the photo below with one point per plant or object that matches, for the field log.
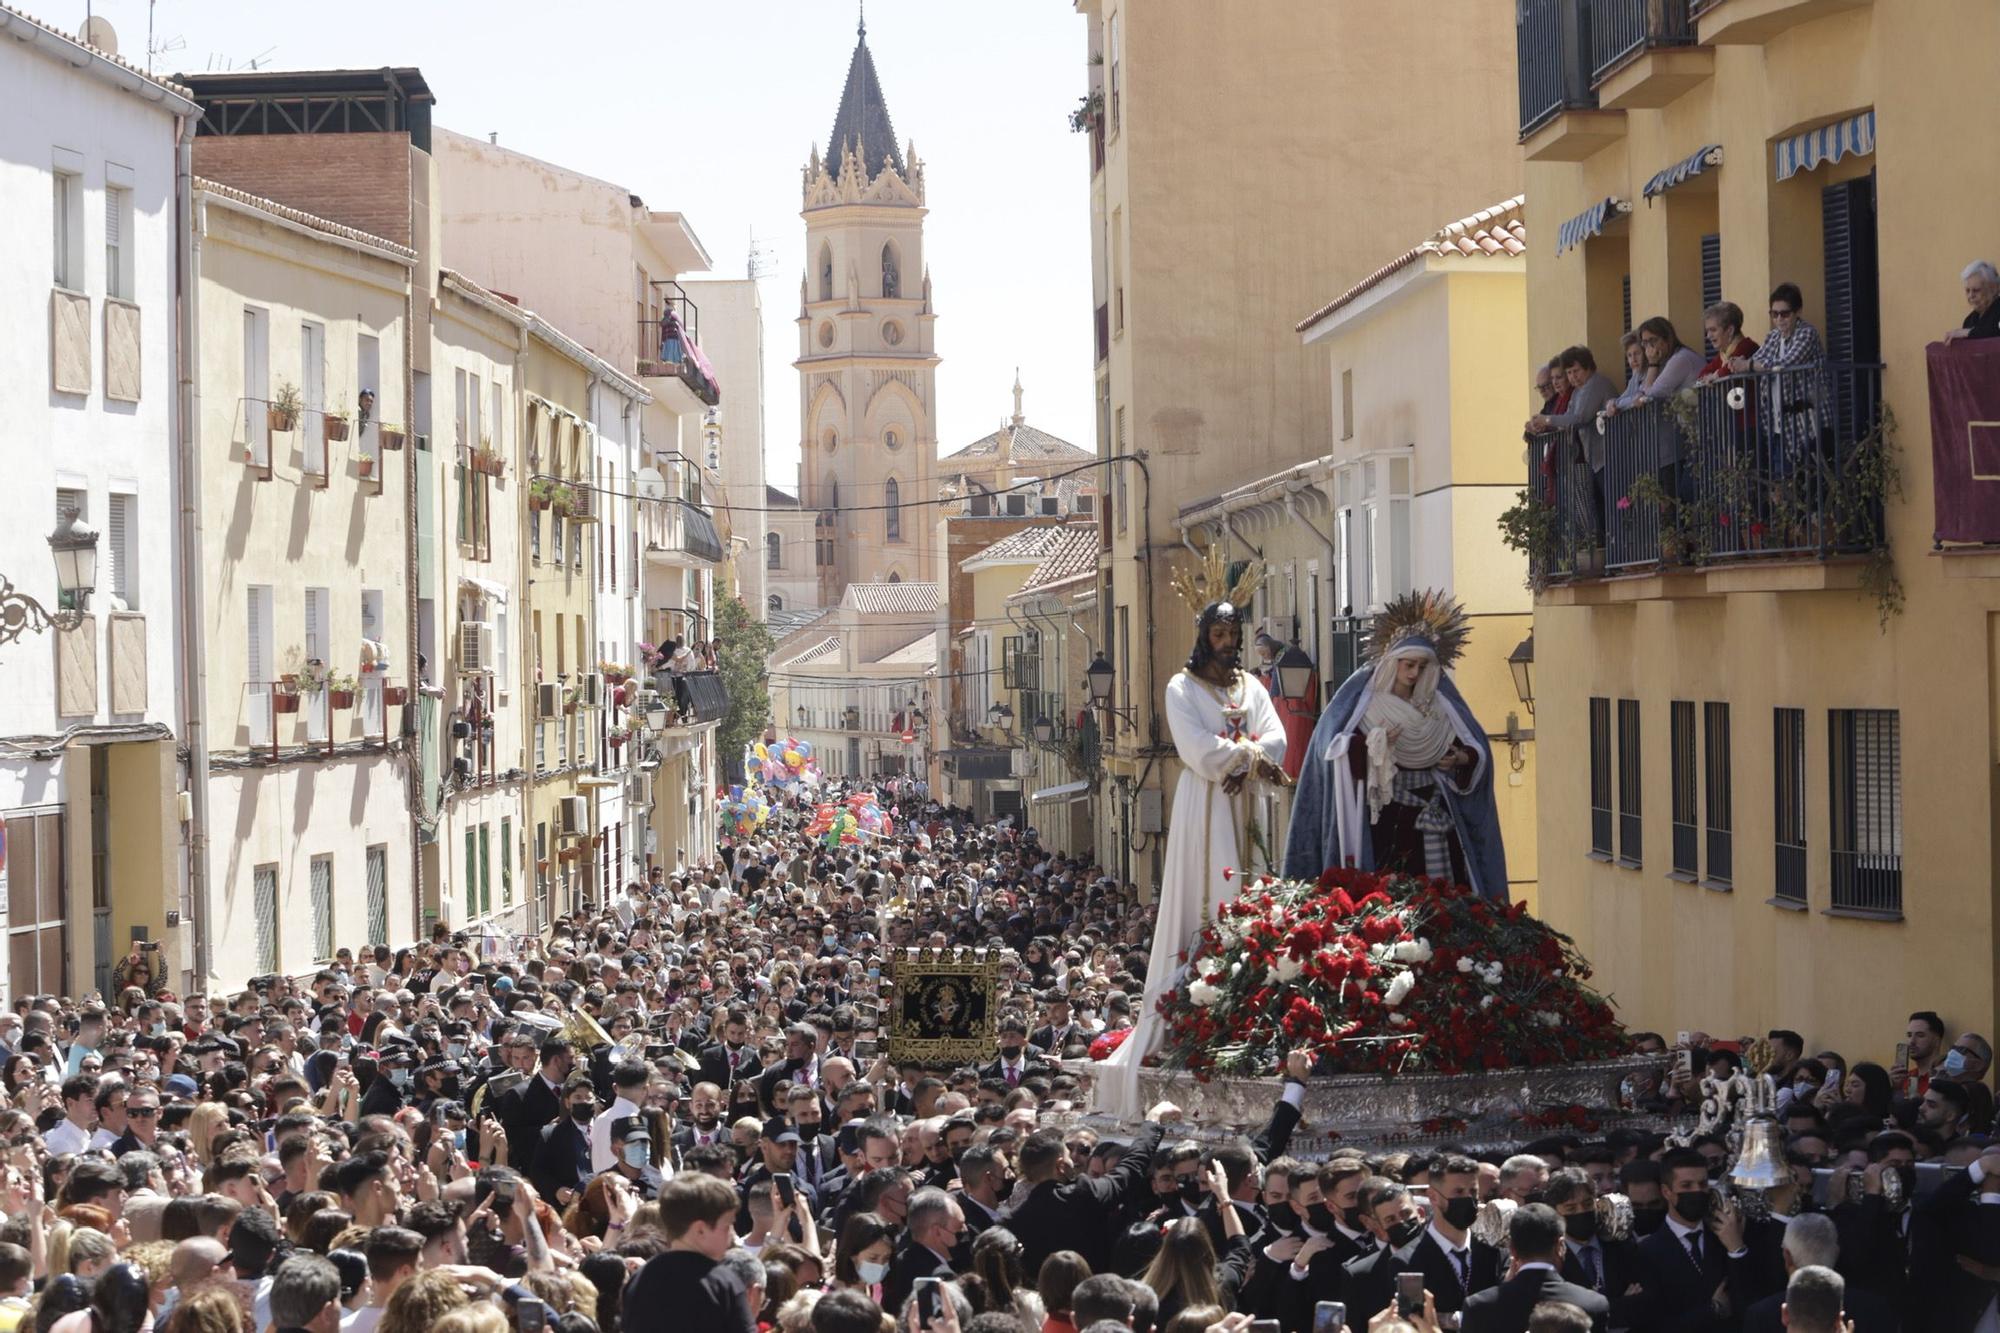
(1783, 467)
(1555, 67)
(1644, 53)
(670, 343)
(680, 532)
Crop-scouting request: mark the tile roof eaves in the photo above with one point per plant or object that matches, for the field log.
(244, 200)
(1458, 238)
(185, 94)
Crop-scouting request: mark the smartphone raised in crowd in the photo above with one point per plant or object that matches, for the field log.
(1329, 1317)
(787, 1192)
(530, 1315)
(1409, 1294)
(930, 1301)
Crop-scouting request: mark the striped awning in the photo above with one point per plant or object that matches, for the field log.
(1588, 223)
(1828, 143)
(1684, 170)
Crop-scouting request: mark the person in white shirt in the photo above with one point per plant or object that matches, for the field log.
(393, 1254)
(110, 1110)
(72, 1133)
(628, 1092)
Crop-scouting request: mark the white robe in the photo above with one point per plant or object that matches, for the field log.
(1203, 834)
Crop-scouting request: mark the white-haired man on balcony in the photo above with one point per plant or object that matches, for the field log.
(1982, 293)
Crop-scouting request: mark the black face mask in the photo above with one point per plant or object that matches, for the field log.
(1351, 1217)
(1285, 1220)
(1405, 1232)
(1461, 1211)
(1189, 1188)
(1692, 1205)
(1321, 1218)
(1648, 1218)
(808, 1130)
(583, 1115)
(1581, 1227)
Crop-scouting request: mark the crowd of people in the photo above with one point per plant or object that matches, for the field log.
(673, 1112)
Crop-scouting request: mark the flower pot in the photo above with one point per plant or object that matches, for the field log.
(290, 680)
(342, 698)
(284, 703)
(569, 708)
(279, 418)
(395, 695)
(366, 465)
(391, 439)
(538, 502)
(336, 428)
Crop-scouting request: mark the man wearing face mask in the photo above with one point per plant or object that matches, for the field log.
(387, 1094)
(1068, 1210)
(1686, 1265)
(1453, 1264)
(628, 1093)
(818, 1156)
(984, 1184)
(1590, 1260)
(562, 1158)
(632, 1144)
(1016, 1063)
(1875, 1238)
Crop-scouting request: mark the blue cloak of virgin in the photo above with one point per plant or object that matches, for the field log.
(1313, 846)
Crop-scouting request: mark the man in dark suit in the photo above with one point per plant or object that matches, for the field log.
(523, 1110)
(562, 1157)
(1244, 1163)
(1590, 1259)
(1685, 1268)
(1067, 1210)
(818, 1158)
(1535, 1236)
(934, 1227)
(1054, 1036)
(732, 1060)
(1017, 1064)
(1812, 1242)
(705, 1120)
(800, 1067)
(1335, 1236)
(984, 1184)
(1454, 1265)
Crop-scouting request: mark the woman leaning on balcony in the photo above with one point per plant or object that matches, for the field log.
(1636, 375)
(1722, 323)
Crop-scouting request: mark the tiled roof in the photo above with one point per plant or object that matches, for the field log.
(783, 622)
(1073, 556)
(815, 650)
(879, 599)
(1500, 230)
(304, 219)
(774, 496)
(1028, 544)
(177, 89)
(1029, 445)
(920, 651)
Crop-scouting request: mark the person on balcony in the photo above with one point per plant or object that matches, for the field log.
(1794, 354)
(1672, 364)
(1722, 323)
(1636, 375)
(1589, 391)
(1792, 341)
(1982, 293)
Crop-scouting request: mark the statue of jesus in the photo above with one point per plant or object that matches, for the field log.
(1228, 735)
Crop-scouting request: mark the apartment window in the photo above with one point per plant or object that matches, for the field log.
(471, 873)
(1115, 57)
(378, 894)
(485, 869)
(535, 536)
(1631, 852)
(37, 924)
(541, 861)
(1865, 827)
(892, 511)
(257, 388)
(322, 908)
(118, 243)
(1347, 404)
(1600, 778)
(1717, 805)
(260, 629)
(774, 554)
(1687, 838)
(312, 397)
(317, 706)
(506, 861)
(1117, 271)
(120, 577)
(1788, 793)
(264, 907)
(68, 218)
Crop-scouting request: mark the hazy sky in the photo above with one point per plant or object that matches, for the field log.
(709, 107)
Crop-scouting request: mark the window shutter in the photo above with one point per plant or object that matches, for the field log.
(118, 549)
(1625, 299)
(1711, 277)
(260, 670)
(1847, 221)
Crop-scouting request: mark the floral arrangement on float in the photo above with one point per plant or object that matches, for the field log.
(1381, 974)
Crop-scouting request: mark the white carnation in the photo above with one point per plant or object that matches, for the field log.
(1486, 1002)
(1466, 964)
(1413, 951)
(1399, 989)
(1288, 968)
(1547, 1019)
(1203, 993)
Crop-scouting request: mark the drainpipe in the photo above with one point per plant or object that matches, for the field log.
(413, 754)
(194, 639)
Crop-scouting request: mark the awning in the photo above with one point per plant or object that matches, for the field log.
(699, 535)
(1589, 223)
(980, 765)
(1828, 143)
(706, 695)
(1684, 170)
(1067, 791)
(485, 587)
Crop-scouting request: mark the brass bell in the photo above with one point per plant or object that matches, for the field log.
(1760, 1164)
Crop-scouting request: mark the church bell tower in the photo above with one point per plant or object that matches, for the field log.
(867, 351)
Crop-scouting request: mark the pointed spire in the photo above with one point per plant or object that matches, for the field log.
(861, 28)
(1019, 420)
(863, 117)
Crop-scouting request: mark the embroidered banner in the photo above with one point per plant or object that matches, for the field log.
(1965, 439)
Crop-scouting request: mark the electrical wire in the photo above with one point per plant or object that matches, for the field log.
(1034, 482)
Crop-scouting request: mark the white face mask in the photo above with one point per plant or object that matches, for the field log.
(635, 1154)
(871, 1273)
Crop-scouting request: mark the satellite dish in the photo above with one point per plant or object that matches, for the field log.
(652, 486)
(99, 33)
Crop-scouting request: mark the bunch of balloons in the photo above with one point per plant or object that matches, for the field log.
(744, 811)
(781, 762)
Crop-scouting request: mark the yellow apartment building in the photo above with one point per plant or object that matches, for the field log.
(299, 370)
(1052, 616)
(1766, 703)
(1217, 220)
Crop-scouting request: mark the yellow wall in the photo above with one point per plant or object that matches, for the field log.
(1674, 955)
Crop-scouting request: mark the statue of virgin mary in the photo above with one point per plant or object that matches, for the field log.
(1398, 775)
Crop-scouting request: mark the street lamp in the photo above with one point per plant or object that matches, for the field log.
(74, 546)
(999, 715)
(656, 715)
(1098, 677)
(1044, 730)
(1522, 663)
(802, 715)
(1294, 672)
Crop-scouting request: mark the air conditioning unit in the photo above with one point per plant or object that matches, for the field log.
(478, 649)
(639, 790)
(548, 700)
(575, 814)
(593, 689)
(1020, 764)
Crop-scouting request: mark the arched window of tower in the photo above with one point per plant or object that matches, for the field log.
(892, 283)
(892, 513)
(825, 271)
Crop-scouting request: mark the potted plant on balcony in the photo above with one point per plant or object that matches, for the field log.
(365, 464)
(284, 699)
(340, 690)
(335, 427)
(541, 493)
(561, 498)
(391, 435)
(311, 676)
(282, 412)
(487, 459)
(395, 695)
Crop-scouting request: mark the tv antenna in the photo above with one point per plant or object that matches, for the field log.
(763, 257)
